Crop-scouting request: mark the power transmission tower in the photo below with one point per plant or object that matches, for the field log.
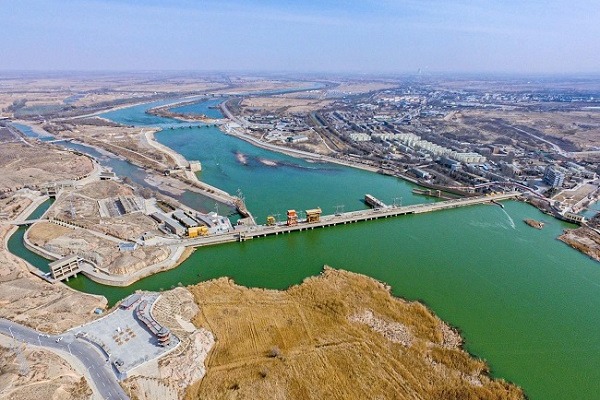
(72, 209)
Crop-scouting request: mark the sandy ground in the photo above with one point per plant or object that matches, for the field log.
(22, 165)
(125, 141)
(12, 206)
(28, 373)
(95, 90)
(94, 237)
(337, 336)
(65, 240)
(244, 84)
(28, 300)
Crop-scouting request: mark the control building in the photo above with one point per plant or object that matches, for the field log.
(553, 178)
(292, 218)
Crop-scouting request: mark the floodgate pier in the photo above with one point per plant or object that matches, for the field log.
(314, 219)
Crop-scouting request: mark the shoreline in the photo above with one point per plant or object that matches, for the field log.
(182, 251)
(300, 154)
(206, 189)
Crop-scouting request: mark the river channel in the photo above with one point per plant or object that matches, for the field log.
(526, 303)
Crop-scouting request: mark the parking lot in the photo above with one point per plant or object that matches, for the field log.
(124, 338)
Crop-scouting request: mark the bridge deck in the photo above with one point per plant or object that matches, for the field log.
(377, 213)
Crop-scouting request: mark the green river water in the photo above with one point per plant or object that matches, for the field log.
(525, 302)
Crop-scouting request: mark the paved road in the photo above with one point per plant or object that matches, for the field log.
(99, 369)
(556, 147)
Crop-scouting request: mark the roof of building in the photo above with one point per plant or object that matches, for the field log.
(127, 246)
(184, 219)
(131, 300)
(64, 260)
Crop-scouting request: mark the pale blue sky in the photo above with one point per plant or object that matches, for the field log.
(522, 36)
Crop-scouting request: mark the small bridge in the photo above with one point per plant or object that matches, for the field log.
(26, 222)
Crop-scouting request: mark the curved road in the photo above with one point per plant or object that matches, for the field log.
(99, 369)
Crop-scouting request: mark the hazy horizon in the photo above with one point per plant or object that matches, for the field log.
(356, 37)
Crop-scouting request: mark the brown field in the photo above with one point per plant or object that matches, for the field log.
(22, 165)
(12, 206)
(580, 128)
(254, 84)
(104, 189)
(586, 239)
(284, 104)
(337, 336)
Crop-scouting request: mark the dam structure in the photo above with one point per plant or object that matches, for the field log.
(247, 232)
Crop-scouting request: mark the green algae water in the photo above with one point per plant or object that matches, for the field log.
(525, 302)
(15, 241)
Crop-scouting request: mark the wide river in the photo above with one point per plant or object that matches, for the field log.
(526, 303)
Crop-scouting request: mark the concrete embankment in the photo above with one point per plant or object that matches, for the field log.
(293, 152)
(208, 190)
(125, 280)
(100, 275)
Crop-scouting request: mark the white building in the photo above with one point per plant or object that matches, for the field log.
(360, 137)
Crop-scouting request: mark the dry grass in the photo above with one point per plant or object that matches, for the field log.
(12, 206)
(304, 343)
(105, 189)
(581, 128)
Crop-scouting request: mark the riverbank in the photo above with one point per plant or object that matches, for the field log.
(232, 131)
(166, 111)
(190, 177)
(585, 239)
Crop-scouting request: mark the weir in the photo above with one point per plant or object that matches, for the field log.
(250, 232)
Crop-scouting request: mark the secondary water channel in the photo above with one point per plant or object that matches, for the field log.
(523, 301)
